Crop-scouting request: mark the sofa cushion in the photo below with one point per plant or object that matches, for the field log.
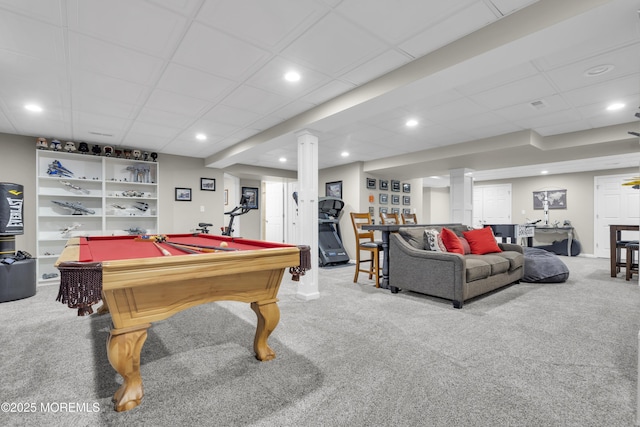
(465, 245)
(433, 240)
(482, 241)
(497, 263)
(477, 269)
(516, 259)
(451, 241)
(414, 236)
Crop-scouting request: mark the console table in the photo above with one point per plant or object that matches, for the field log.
(615, 234)
(568, 230)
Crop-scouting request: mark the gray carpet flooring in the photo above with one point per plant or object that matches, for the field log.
(527, 355)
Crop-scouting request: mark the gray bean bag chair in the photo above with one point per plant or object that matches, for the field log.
(541, 266)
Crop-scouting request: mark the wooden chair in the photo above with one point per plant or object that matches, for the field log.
(409, 219)
(365, 242)
(389, 218)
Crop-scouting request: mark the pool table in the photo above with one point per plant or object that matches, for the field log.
(143, 279)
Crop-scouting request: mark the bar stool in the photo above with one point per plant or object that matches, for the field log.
(632, 259)
(620, 245)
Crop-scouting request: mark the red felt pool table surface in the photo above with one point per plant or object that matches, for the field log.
(109, 248)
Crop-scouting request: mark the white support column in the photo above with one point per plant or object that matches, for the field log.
(308, 210)
(461, 196)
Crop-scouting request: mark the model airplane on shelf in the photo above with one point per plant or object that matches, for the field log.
(70, 228)
(142, 206)
(74, 187)
(56, 169)
(76, 207)
(135, 231)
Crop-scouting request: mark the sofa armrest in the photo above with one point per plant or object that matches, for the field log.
(511, 247)
(440, 274)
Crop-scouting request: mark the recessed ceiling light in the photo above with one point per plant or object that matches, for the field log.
(598, 70)
(345, 154)
(282, 159)
(435, 177)
(292, 76)
(544, 172)
(33, 107)
(411, 123)
(201, 137)
(615, 106)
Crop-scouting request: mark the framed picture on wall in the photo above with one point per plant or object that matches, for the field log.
(251, 196)
(183, 194)
(406, 200)
(384, 184)
(406, 211)
(395, 185)
(406, 187)
(207, 184)
(395, 199)
(333, 189)
(384, 198)
(395, 211)
(226, 197)
(383, 210)
(371, 183)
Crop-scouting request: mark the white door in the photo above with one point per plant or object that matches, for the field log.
(274, 211)
(491, 204)
(614, 204)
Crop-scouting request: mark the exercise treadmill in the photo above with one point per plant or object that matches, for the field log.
(330, 246)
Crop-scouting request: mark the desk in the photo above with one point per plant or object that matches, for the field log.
(140, 285)
(615, 234)
(568, 230)
(386, 229)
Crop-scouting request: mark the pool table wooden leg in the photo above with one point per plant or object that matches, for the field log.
(268, 317)
(123, 350)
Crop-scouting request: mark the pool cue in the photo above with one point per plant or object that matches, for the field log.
(161, 249)
(193, 245)
(183, 248)
(196, 249)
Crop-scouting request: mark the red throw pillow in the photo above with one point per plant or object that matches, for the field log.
(451, 241)
(482, 241)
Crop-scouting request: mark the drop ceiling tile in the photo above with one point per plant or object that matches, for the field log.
(547, 120)
(213, 130)
(481, 132)
(509, 6)
(176, 103)
(139, 25)
(626, 62)
(44, 10)
(464, 22)
(101, 57)
(518, 92)
(143, 141)
(160, 117)
(460, 108)
(267, 24)
(25, 36)
(327, 92)
(398, 20)
(107, 107)
(292, 109)
(101, 86)
(230, 115)
(551, 104)
(333, 46)
(499, 79)
(194, 83)
(84, 123)
(183, 7)
(271, 78)
(381, 64)
(218, 53)
(606, 92)
(255, 100)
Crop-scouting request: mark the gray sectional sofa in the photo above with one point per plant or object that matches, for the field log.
(449, 275)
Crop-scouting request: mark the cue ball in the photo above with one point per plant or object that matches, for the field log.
(224, 244)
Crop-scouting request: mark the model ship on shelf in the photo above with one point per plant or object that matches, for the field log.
(76, 207)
